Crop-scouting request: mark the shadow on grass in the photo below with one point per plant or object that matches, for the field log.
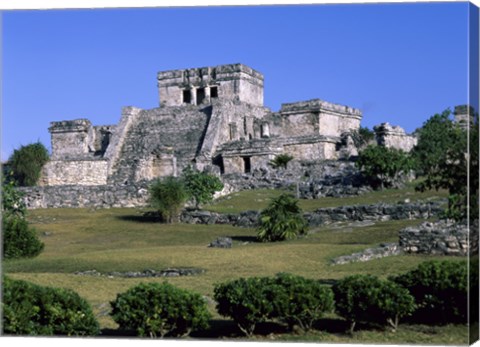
(147, 217)
(250, 239)
(227, 329)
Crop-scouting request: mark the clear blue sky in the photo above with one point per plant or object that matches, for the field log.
(399, 63)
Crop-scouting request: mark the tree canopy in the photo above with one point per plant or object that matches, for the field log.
(27, 162)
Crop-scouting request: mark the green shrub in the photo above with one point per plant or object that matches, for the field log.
(201, 186)
(365, 298)
(440, 289)
(300, 301)
(19, 240)
(153, 309)
(29, 309)
(383, 166)
(168, 196)
(281, 220)
(280, 161)
(27, 163)
(248, 301)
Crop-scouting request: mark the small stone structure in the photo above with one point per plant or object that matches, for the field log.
(394, 137)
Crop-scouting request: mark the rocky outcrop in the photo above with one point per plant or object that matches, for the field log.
(442, 238)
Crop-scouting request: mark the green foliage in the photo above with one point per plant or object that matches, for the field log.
(293, 300)
(201, 186)
(248, 301)
(366, 135)
(12, 200)
(153, 309)
(367, 298)
(29, 309)
(383, 166)
(27, 163)
(281, 220)
(440, 289)
(300, 301)
(280, 161)
(19, 240)
(441, 156)
(168, 196)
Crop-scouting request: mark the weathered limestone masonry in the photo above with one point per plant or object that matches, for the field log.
(394, 137)
(211, 118)
(442, 237)
(324, 216)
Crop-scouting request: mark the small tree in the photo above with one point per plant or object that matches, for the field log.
(201, 186)
(27, 163)
(168, 196)
(445, 157)
(281, 220)
(382, 165)
(280, 161)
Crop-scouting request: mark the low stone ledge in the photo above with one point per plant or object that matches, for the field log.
(323, 216)
(146, 273)
(384, 250)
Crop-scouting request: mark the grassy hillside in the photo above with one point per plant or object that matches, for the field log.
(123, 240)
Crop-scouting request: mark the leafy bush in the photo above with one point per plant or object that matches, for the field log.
(440, 289)
(300, 301)
(248, 301)
(369, 299)
(168, 196)
(27, 163)
(281, 220)
(30, 309)
(19, 240)
(201, 186)
(153, 309)
(280, 161)
(293, 300)
(383, 166)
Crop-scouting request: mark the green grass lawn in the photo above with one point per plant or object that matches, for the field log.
(122, 240)
(258, 199)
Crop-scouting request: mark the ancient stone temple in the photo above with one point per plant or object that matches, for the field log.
(212, 118)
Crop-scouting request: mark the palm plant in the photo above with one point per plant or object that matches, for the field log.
(281, 220)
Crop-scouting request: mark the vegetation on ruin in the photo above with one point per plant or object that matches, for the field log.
(280, 161)
(27, 162)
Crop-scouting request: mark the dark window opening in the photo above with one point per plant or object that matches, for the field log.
(187, 97)
(200, 95)
(247, 165)
(213, 92)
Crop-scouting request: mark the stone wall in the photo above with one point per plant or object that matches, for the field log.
(79, 172)
(442, 238)
(99, 196)
(323, 216)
